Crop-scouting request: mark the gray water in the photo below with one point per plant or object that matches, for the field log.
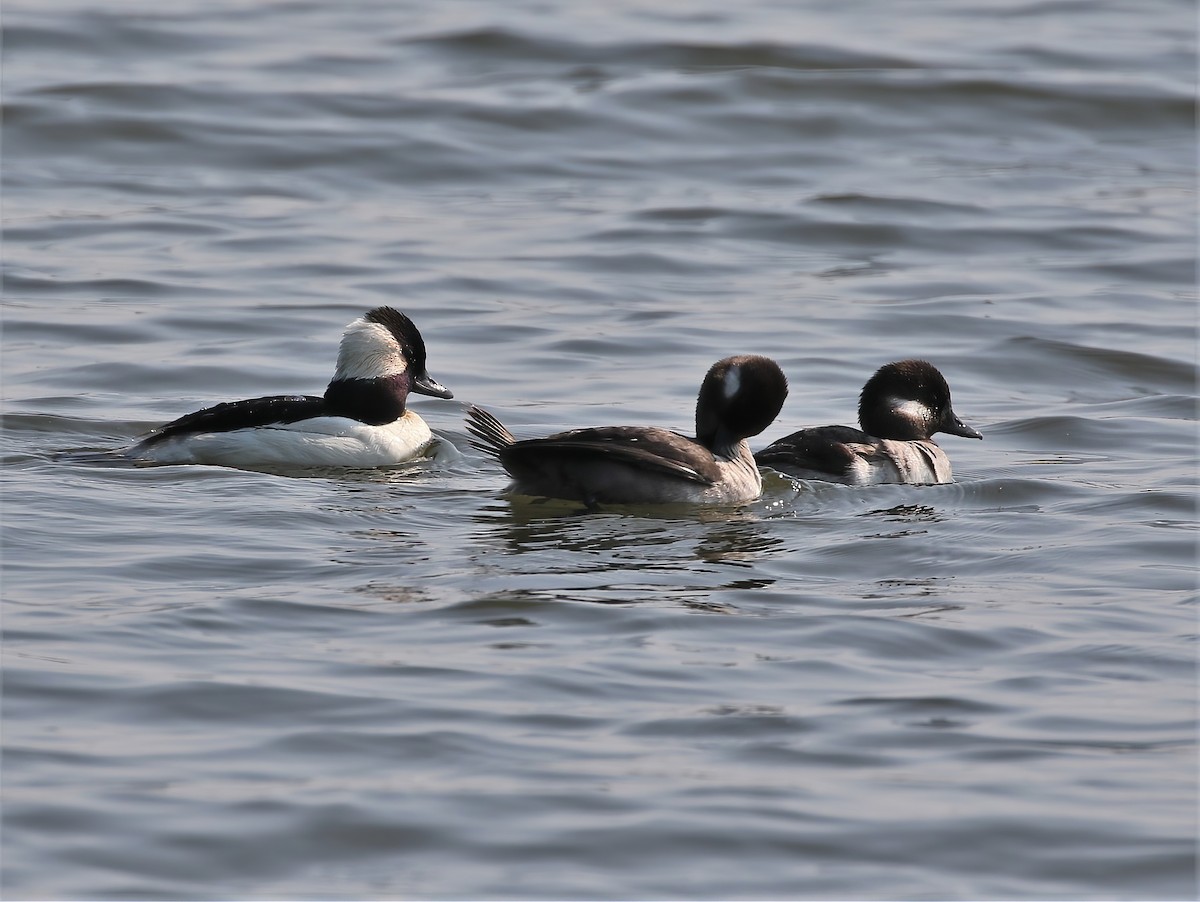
(403, 684)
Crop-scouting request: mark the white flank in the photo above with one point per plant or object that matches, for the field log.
(917, 463)
(864, 472)
(318, 442)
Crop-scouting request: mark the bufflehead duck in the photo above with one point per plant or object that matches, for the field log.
(739, 398)
(360, 421)
(900, 408)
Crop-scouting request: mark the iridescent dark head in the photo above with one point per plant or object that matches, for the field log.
(739, 397)
(909, 400)
(385, 343)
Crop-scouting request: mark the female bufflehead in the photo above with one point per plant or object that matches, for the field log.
(739, 398)
(901, 406)
(359, 422)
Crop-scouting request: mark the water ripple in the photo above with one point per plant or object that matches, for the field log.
(404, 683)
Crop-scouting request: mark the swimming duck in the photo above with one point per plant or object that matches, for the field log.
(360, 421)
(739, 397)
(900, 409)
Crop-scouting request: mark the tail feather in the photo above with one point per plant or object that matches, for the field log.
(490, 435)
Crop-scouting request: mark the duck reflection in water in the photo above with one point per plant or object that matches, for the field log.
(668, 541)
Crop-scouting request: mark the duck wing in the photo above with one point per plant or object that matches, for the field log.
(657, 451)
(231, 415)
(829, 450)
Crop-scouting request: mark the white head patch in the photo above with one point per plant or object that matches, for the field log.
(368, 351)
(733, 382)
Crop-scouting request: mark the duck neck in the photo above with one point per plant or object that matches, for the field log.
(726, 446)
(372, 401)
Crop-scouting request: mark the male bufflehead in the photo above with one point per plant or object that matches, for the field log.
(739, 398)
(359, 422)
(901, 406)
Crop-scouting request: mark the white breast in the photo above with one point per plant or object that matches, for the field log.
(740, 478)
(918, 463)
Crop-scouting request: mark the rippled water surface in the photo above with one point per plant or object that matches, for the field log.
(404, 684)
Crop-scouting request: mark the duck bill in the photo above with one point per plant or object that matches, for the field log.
(955, 426)
(425, 384)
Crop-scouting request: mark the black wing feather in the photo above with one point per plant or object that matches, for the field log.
(653, 450)
(277, 409)
(658, 451)
(822, 449)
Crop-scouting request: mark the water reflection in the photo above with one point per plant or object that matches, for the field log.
(925, 596)
(914, 514)
(618, 557)
(738, 541)
(390, 594)
(889, 588)
(717, 535)
(908, 513)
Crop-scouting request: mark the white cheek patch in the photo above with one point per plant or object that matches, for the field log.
(911, 410)
(733, 383)
(368, 351)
